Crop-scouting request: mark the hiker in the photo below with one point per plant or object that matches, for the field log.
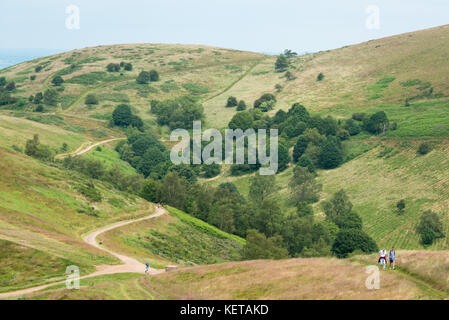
(382, 257)
(147, 267)
(392, 257)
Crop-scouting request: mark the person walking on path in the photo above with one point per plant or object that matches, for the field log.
(382, 257)
(147, 267)
(392, 257)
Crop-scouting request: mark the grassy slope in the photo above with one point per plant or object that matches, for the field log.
(40, 208)
(174, 238)
(315, 278)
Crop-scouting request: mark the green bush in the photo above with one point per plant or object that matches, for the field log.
(424, 148)
(91, 99)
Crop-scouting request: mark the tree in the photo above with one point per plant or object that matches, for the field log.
(38, 69)
(258, 246)
(343, 134)
(349, 240)
(320, 77)
(174, 190)
(241, 120)
(154, 76)
(424, 148)
(211, 170)
(263, 98)
(300, 147)
(376, 123)
(143, 77)
(50, 97)
(339, 205)
(400, 205)
(232, 102)
(241, 106)
(123, 117)
(2, 82)
(91, 99)
(57, 81)
(281, 63)
(430, 227)
(305, 162)
(38, 98)
(35, 149)
(267, 105)
(261, 187)
(303, 187)
(151, 190)
(128, 66)
(113, 67)
(352, 127)
(11, 86)
(283, 157)
(331, 155)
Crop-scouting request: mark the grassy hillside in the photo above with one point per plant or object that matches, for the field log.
(310, 279)
(176, 238)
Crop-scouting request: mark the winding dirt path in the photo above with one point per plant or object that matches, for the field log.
(129, 264)
(84, 149)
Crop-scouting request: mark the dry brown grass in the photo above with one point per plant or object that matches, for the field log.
(317, 278)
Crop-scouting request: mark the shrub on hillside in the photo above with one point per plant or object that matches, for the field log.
(113, 67)
(232, 102)
(424, 148)
(57, 81)
(35, 149)
(91, 99)
(320, 77)
(241, 105)
(154, 76)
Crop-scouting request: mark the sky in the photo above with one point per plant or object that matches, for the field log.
(263, 26)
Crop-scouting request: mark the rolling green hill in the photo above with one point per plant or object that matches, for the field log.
(45, 208)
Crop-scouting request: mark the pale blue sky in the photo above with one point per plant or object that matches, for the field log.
(255, 25)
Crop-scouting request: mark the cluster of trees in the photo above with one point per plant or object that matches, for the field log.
(5, 92)
(35, 149)
(115, 67)
(430, 227)
(145, 77)
(316, 140)
(122, 116)
(177, 113)
(259, 218)
(232, 102)
(95, 169)
(265, 103)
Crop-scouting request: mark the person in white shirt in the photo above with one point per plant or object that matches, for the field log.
(382, 257)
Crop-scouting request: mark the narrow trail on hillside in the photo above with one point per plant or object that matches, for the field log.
(84, 149)
(129, 264)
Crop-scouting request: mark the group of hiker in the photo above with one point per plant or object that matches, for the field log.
(161, 205)
(391, 257)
